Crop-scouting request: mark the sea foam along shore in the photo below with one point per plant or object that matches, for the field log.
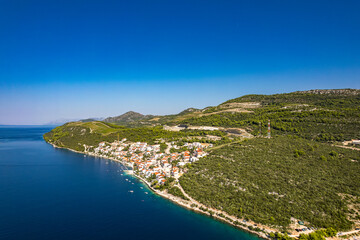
(185, 203)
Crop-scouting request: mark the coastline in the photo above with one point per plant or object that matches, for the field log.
(188, 205)
(179, 201)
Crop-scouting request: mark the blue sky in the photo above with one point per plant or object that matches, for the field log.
(78, 59)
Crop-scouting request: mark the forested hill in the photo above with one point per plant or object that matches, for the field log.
(272, 181)
(127, 118)
(322, 115)
(302, 172)
(317, 97)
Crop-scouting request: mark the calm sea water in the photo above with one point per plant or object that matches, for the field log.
(48, 193)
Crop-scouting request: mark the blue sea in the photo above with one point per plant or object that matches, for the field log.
(49, 193)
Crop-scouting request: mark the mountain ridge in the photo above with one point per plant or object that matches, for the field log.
(127, 117)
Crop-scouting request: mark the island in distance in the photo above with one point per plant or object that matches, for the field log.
(281, 166)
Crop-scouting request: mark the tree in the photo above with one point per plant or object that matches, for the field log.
(334, 153)
(330, 232)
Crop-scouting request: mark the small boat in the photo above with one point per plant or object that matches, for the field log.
(141, 187)
(132, 183)
(126, 179)
(131, 191)
(146, 192)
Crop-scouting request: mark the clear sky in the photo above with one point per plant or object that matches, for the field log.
(68, 59)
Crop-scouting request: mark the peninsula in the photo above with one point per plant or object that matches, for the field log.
(281, 166)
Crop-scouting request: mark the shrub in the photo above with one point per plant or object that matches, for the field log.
(333, 153)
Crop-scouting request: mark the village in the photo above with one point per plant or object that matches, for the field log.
(149, 162)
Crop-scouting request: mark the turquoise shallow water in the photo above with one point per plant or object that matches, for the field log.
(48, 193)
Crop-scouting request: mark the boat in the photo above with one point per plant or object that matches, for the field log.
(131, 191)
(146, 192)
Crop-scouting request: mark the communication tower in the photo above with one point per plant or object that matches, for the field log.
(259, 129)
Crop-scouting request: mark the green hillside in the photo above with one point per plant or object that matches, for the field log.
(297, 173)
(129, 119)
(321, 115)
(271, 180)
(75, 134)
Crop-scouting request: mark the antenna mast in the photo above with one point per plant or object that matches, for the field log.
(259, 129)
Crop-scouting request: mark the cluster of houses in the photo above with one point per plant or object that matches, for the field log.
(148, 161)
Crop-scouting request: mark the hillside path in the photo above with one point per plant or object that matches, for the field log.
(352, 148)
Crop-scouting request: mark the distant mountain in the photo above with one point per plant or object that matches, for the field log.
(91, 119)
(61, 121)
(189, 110)
(128, 117)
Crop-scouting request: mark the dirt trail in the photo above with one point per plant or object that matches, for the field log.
(352, 148)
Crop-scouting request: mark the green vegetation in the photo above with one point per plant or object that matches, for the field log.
(294, 174)
(272, 180)
(328, 232)
(279, 236)
(317, 235)
(321, 117)
(129, 119)
(75, 134)
(177, 192)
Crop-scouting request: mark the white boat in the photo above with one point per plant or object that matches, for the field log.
(131, 191)
(146, 192)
